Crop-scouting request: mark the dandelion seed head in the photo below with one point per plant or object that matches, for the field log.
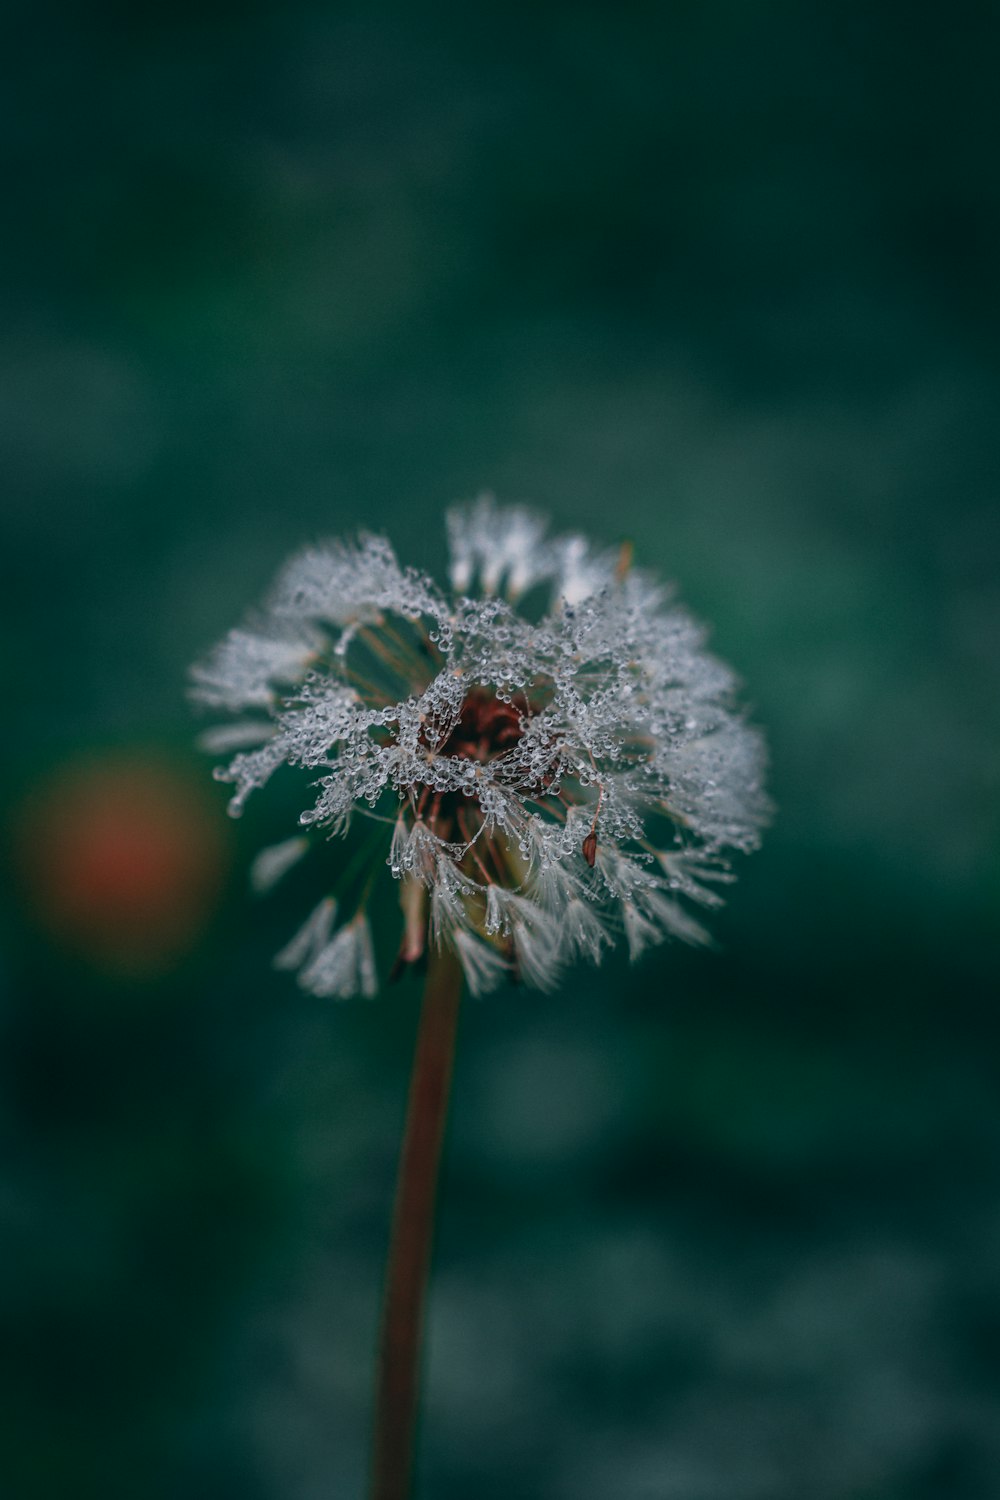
(551, 752)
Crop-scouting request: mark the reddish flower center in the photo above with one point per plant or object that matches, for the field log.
(486, 727)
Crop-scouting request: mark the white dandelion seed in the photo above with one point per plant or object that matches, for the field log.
(544, 779)
(344, 966)
(310, 938)
(275, 861)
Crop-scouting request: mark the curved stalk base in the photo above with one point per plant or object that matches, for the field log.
(413, 1232)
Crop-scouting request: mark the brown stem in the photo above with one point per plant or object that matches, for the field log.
(413, 1230)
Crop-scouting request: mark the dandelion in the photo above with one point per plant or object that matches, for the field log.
(552, 755)
(548, 759)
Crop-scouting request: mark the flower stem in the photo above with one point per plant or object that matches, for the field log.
(413, 1230)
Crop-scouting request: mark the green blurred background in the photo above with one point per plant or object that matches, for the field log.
(717, 277)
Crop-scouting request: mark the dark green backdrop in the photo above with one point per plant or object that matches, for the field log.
(719, 277)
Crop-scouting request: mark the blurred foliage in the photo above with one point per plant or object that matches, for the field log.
(722, 279)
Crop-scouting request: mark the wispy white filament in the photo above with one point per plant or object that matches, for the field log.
(272, 863)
